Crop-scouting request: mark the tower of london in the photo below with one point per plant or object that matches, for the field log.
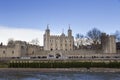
(59, 47)
(61, 42)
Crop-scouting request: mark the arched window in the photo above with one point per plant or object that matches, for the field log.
(51, 49)
(32, 52)
(12, 52)
(3, 52)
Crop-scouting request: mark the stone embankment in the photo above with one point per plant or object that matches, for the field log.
(59, 70)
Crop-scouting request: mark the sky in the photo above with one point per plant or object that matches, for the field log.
(27, 19)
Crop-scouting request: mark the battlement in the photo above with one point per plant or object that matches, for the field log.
(107, 35)
(20, 42)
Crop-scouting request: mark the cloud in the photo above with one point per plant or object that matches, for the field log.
(20, 34)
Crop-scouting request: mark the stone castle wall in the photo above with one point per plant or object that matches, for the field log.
(11, 51)
(57, 45)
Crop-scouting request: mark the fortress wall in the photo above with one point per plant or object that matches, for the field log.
(2, 51)
(10, 52)
(79, 53)
(90, 53)
(75, 52)
(84, 51)
(39, 53)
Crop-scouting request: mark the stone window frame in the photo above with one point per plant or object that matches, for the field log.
(13, 52)
(32, 52)
(4, 52)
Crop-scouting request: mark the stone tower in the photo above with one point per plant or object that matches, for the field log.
(69, 32)
(47, 39)
(108, 43)
(58, 42)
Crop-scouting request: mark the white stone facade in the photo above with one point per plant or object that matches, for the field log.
(60, 42)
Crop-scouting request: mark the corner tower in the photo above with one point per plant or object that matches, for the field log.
(108, 43)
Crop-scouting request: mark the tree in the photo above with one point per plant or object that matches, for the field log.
(35, 41)
(95, 36)
(79, 40)
(117, 35)
(10, 41)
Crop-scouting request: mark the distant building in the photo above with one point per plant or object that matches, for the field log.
(18, 49)
(62, 42)
(61, 47)
(108, 43)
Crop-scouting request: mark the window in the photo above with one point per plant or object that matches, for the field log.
(3, 52)
(51, 49)
(22, 47)
(12, 52)
(32, 52)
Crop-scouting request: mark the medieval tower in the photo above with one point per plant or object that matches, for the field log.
(108, 43)
(61, 42)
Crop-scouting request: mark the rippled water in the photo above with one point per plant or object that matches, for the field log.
(59, 76)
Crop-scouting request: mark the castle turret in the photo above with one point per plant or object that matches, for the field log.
(47, 32)
(47, 38)
(69, 32)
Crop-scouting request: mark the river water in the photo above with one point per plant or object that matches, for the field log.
(59, 76)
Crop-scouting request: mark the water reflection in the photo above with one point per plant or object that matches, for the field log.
(59, 76)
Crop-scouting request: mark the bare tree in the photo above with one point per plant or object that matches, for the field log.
(10, 40)
(79, 40)
(95, 36)
(35, 41)
(117, 35)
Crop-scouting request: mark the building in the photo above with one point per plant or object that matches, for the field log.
(59, 47)
(61, 42)
(108, 43)
(19, 49)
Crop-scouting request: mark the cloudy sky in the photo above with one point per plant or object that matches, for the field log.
(27, 19)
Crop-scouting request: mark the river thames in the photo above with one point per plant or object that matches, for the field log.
(59, 75)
